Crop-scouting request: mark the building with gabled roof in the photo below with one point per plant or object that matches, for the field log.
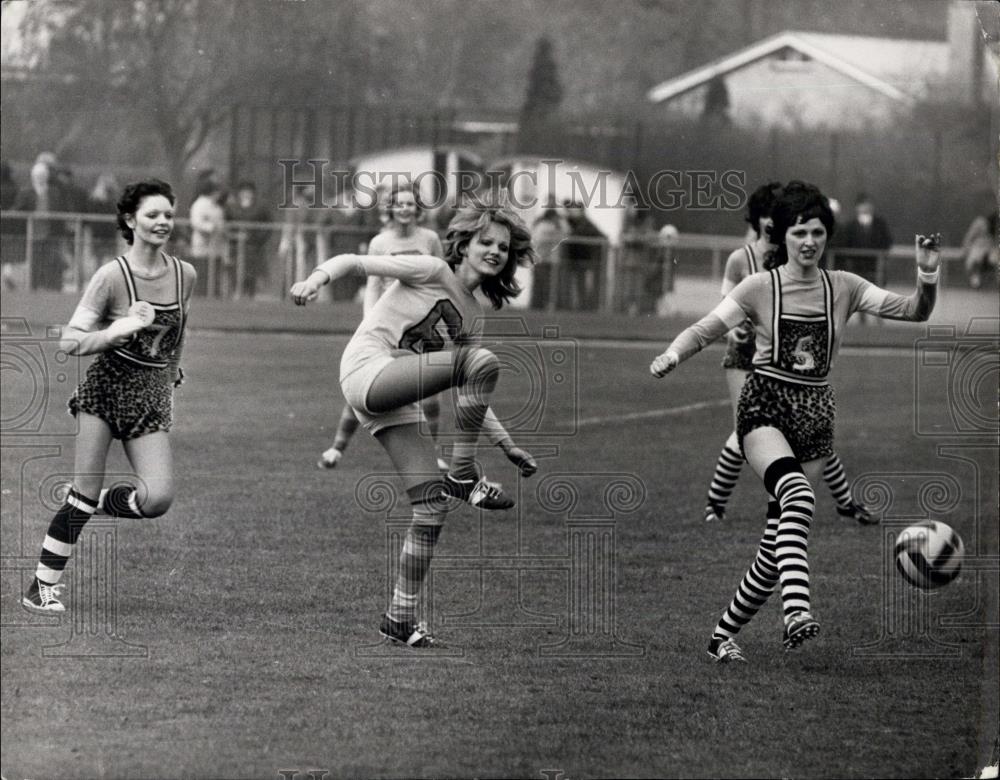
(797, 79)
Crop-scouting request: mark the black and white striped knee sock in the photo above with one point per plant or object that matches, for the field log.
(57, 547)
(727, 472)
(757, 584)
(785, 480)
(836, 479)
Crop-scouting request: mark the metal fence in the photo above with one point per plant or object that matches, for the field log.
(61, 251)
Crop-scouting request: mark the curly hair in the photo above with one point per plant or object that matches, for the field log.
(132, 196)
(798, 202)
(472, 219)
(760, 203)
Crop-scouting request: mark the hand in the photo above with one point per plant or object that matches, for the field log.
(523, 460)
(303, 292)
(663, 364)
(121, 331)
(741, 334)
(144, 311)
(928, 251)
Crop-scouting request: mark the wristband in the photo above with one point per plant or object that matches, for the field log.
(929, 277)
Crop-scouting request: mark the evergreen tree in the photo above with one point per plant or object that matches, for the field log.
(541, 101)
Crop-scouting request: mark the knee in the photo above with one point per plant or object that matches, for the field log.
(156, 504)
(784, 478)
(481, 364)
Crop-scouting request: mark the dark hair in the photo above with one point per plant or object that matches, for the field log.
(798, 202)
(246, 184)
(760, 203)
(132, 196)
(473, 219)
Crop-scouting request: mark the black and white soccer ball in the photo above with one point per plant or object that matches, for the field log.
(929, 554)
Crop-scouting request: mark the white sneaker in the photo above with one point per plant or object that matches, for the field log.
(329, 459)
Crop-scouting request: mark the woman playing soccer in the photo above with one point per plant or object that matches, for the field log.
(738, 363)
(400, 236)
(419, 339)
(132, 317)
(786, 411)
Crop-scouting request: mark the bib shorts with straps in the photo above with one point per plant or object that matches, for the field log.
(131, 387)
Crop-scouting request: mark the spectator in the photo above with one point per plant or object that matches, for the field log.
(641, 274)
(303, 243)
(11, 243)
(582, 255)
(101, 238)
(8, 187)
(867, 231)
(547, 234)
(981, 245)
(47, 252)
(246, 208)
(208, 237)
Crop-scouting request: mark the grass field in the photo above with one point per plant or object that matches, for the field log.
(254, 603)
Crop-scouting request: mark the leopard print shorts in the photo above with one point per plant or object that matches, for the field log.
(803, 413)
(133, 400)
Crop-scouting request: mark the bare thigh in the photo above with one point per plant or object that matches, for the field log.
(91, 454)
(412, 454)
(765, 445)
(410, 378)
(151, 458)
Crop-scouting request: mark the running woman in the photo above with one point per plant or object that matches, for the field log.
(738, 363)
(132, 317)
(419, 339)
(785, 418)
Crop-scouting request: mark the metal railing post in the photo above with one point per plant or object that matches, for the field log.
(29, 250)
(78, 254)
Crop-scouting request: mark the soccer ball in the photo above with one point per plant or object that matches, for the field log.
(929, 554)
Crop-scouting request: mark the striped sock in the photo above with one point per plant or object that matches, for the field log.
(415, 558)
(727, 472)
(785, 480)
(122, 501)
(836, 479)
(62, 535)
(479, 370)
(757, 584)
(345, 428)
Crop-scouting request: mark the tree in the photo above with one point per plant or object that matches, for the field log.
(542, 98)
(181, 65)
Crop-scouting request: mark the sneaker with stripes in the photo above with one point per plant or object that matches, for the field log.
(407, 633)
(859, 512)
(725, 651)
(799, 627)
(43, 598)
(481, 493)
